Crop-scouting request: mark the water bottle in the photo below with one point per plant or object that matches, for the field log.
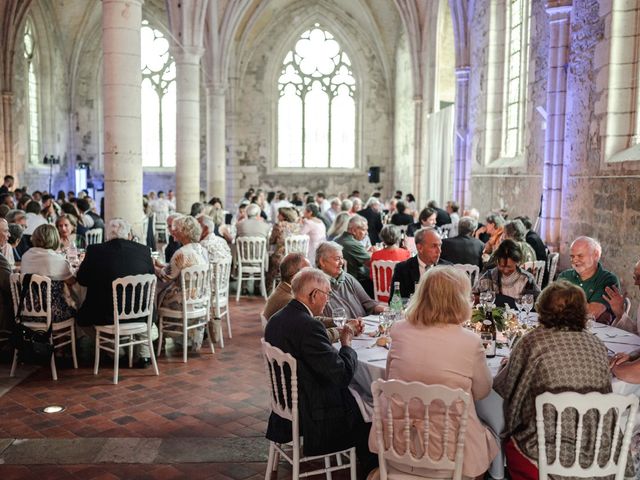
(396, 300)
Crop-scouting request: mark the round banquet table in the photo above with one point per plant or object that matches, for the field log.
(373, 362)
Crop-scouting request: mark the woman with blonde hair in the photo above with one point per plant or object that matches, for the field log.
(432, 347)
(339, 226)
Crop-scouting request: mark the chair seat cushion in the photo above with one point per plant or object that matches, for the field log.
(125, 328)
(192, 312)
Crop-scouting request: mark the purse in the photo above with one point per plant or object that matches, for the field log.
(33, 346)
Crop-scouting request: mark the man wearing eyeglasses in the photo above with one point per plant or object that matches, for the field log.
(330, 419)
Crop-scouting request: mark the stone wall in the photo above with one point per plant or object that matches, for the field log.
(404, 120)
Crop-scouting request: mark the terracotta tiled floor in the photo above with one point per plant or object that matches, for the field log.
(207, 403)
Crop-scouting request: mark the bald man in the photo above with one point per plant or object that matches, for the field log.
(588, 274)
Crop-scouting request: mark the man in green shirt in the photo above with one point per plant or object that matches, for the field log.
(588, 274)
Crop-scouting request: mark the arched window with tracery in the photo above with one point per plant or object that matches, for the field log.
(32, 90)
(158, 99)
(316, 104)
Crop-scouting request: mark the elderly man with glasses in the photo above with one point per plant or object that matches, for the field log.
(357, 257)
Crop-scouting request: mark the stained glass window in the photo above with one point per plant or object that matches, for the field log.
(33, 98)
(158, 99)
(316, 105)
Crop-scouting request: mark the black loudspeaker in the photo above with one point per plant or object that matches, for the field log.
(374, 174)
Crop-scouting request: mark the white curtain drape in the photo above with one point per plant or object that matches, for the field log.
(437, 177)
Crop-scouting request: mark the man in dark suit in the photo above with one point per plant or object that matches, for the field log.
(464, 248)
(330, 419)
(372, 212)
(442, 217)
(102, 264)
(408, 273)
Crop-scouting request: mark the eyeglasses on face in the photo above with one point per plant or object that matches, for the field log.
(328, 294)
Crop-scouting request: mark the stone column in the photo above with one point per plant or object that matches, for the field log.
(187, 126)
(8, 166)
(552, 177)
(122, 77)
(419, 163)
(216, 147)
(462, 158)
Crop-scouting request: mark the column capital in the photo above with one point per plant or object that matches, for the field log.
(462, 73)
(559, 10)
(139, 2)
(187, 54)
(216, 88)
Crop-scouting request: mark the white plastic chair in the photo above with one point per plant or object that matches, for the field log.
(624, 412)
(252, 258)
(297, 244)
(195, 284)
(93, 236)
(472, 271)
(552, 261)
(133, 298)
(382, 275)
(220, 274)
(285, 407)
(537, 269)
(37, 305)
(399, 393)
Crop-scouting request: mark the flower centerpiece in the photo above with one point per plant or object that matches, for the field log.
(479, 313)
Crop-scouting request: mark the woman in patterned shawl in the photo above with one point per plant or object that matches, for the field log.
(558, 356)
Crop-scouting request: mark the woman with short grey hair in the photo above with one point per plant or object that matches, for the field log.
(390, 236)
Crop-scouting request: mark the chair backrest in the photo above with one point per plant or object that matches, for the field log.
(39, 289)
(196, 286)
(382, 275)
(627, 305)
(398, 394)
(251, 249)
(447, 230)
(410, 244)
(472, 271)
(281, 370)
(145, 229)
(133, 297)
(619, 410)
(552, 260)
(297, 244)
(94, 236)
(263, 321)
(537, 269)
(220, 273)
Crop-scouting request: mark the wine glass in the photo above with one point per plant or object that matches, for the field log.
(520, 307)
(339, 317)
(527, 304)
(487, 299)
(486, 284)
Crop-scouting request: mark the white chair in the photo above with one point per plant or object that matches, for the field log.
(251, 258)
(624, 413)
(37, 305)
(93, 236)
(263, 321)
(537, 269)
(399, 393)
(552, 262)
(285, 407)
(382, 275)
(133, 298)
(160, 228)
(472, 271)
(627, 305)
(297, 244)
(195, 284)
(220, 274)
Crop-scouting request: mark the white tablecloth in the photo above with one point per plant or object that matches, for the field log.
(373, 362)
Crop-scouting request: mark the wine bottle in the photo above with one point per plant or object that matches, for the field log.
(488, 335)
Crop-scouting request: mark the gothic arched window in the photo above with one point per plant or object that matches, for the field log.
(33, 97)
(317, 104)
(158, 99)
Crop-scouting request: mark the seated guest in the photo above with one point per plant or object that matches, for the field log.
(105, 262)
(339, 226)
(390, 236)
(400, 217)
(6, 250)
(43, 259)
(15, 237)
(331, 214)
(66, 225)
(172, 245)
(559, 356)
(347, 293)
(463, 248)
(88, 215)
(587, 272)
(72, 211)
(313, 226)
(426, 219)
(616, 301)
(433, 335)
(373, 214)
(6, 304)
(253, 225)
(533, 239)
(507, 278)
(442, 217)
(357, 257)
(495, 228)
(287, 225)
(411, 203)
(216, 247)
(330, 419)
(356, 205)
(514, 230)
(408, 273)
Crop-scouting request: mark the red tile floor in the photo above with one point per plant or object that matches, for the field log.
(199, 420)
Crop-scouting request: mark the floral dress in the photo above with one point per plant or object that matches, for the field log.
(170, 294)
(280, 231)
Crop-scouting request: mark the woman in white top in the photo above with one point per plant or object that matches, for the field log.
(43, 259)
(314, 227)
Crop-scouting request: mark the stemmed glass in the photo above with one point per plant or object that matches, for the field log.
(520, 307)
(527, 304)
(488, 299)
(339, 317)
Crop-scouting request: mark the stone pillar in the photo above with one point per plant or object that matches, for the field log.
(461, 151)
(216, 147)
(121, 20)
(187, 126)
(419, 163)
(7, 166)
(552, 177)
